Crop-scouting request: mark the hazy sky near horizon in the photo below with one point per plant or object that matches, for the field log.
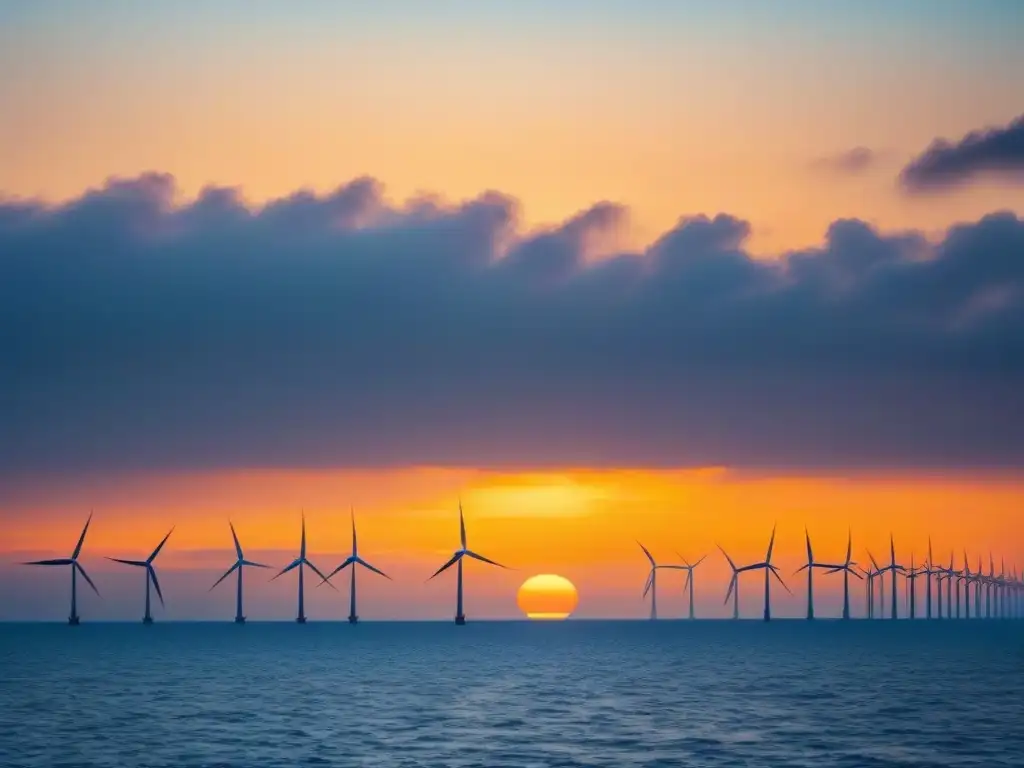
(609, 270)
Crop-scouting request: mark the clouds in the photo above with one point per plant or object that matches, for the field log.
(947, 165)
(343, 330)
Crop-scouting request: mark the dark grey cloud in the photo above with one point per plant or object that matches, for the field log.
(946, 164)
(341, 330)
(849, 162)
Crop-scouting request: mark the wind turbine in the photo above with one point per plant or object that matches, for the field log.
(989, 584)
(354, 559)
(809, 566)
(240, 563)
(847, 568)
(929, 571)
(460, 554)
(734, 584)
(299, 562)
(651, 584)
(979, 581)
(892, 568)
(911, 581)
(967, 578)
(150, 574)
(76, 568)
(769, 571)
(871, 573)
(951, 576)
(689, 578)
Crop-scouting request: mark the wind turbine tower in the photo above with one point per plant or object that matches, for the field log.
(76, 568)
(150, 574)
(457, 558)
(302, 562)
(354, 560)
(239, 565)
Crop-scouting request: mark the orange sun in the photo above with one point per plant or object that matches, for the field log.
(547, 596)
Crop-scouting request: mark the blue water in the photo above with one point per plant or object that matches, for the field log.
(858, 694)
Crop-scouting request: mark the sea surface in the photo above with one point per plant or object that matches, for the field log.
(863, 694)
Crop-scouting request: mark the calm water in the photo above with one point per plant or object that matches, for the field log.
(863, 694)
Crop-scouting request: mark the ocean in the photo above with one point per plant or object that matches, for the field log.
(860, 694)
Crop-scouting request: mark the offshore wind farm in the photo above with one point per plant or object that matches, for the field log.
(996, 594)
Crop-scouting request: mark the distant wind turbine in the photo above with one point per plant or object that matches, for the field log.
(911, 581)
(651, 584)
(240, 563)
(76, 568)
(460, 554)
(689, 579)
(734, 584)
(847, 568)
(967, 578)
(150, 574)
(354, 559)
(892, 568)
(300, 562)
(769, 571)
(809, 566)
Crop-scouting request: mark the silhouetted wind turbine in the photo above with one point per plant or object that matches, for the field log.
(847, 568)
(929, 571)
(354, 559)
(892, 568)
(769, 571)
(689, 579)
(809, 566)
(76, 568)
(979, 581)
(951, 575)
(911, 577)
(967, 578)
(651, 584)
(462, 552)
(871, 573)
(734, 584)
(240, 563)
(150, 574)
(299, 562)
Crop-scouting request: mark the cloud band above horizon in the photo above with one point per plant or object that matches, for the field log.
(341, 330)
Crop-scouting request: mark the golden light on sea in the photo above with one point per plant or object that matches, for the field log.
(547, 596)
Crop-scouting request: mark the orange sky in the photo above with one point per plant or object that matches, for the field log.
(576, 523)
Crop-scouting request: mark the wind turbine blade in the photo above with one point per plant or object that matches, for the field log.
(702, 559)
(892, 549)
(85, 576)
(775, 573)
(810, 554)
(462, 526)
(140, 563)
(771, 546)
(649, 582)
(352, 513)
(483, 559)
(689, 575)
(159, 546)
(151, 571)
(317, 572)
(731, 563)
(646, 552)
(227, 573)
(852, 571)
(294, 564)
(238, 547)
(302, 545)
(873, 561)
(849, 545)
(732, 584)
(254, 564)
(58, 561)
(373, 568)
(687, 564)
(81, 539)
(446, 566)
(803, 568)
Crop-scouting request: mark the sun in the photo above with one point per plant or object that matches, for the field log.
(547, 596)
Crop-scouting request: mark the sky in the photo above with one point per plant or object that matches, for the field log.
(605, 271)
